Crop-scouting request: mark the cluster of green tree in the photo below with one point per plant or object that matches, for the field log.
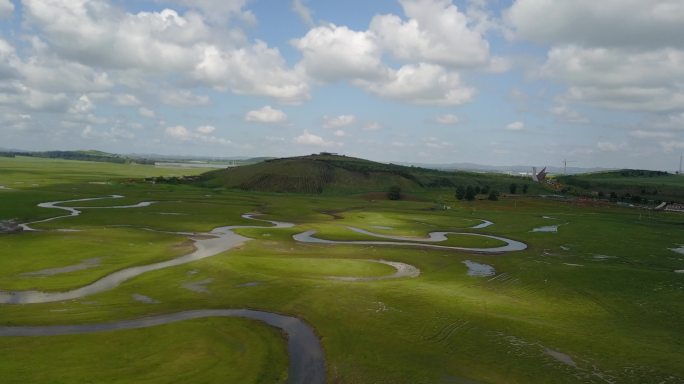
(469, 192)
(641, 173)
(394, 193)
(440, 182)
(513, 188)
(626, 197)
(170, 179)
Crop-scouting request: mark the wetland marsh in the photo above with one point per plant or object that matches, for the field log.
(367, 286)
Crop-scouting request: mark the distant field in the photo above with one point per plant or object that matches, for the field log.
(29, 172)
(647, 184)
(597, 301)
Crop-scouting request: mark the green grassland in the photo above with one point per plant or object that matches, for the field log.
(650, 185)
(602, 290)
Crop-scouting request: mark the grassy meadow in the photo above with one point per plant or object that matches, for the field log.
(599, 301)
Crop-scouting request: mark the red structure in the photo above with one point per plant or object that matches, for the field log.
(539, 177)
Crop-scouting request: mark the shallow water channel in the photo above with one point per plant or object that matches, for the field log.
(307, 364)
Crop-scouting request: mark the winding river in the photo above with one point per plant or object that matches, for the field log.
(511, 245)
(307, 361)
(307, 364)
(218, 240)
(75, 211)
(222, 239)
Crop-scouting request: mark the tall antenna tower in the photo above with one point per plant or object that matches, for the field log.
(565, 166)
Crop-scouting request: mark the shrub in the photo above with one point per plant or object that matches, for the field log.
(394, 193)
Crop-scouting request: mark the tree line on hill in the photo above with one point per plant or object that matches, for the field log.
(469, 192)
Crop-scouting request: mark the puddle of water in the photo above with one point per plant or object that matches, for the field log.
(573, 265)
(560, 356)
(604, 257)
(10, 226)
(679, 250)
(548, 228)
(198, 286)
(86, 264)
(477, 269)
(249, 284)
(679, 271)
(381, 227)
(564, 248)
(144, 299)
(4, 187)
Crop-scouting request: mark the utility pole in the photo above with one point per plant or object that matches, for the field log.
(680, 164)
(565, 166)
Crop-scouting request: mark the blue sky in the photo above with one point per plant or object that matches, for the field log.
(424, 81)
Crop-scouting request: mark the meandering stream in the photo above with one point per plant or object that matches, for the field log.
(219, 240)
(307, 364)
(222, 239)
(511, 245)
(307, 361)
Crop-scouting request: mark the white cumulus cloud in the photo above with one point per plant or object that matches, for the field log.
(178, 132)
(145, 112)
(436, 32)
(205, 129)
(6, 8)
(423, 84)
(626, 54)
(338, 121)
(372, 126)
(447, 119)
(616, 23)
(515, 126)
(307, 138)
(303, 12)
(332, 53)
(266, 114)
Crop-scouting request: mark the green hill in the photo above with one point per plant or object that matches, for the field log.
(648, 185)
(341, 174)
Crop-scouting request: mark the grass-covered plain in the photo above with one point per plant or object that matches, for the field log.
(602, 291)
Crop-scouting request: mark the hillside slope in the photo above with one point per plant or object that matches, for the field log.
(648, 185)
(342, 174)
